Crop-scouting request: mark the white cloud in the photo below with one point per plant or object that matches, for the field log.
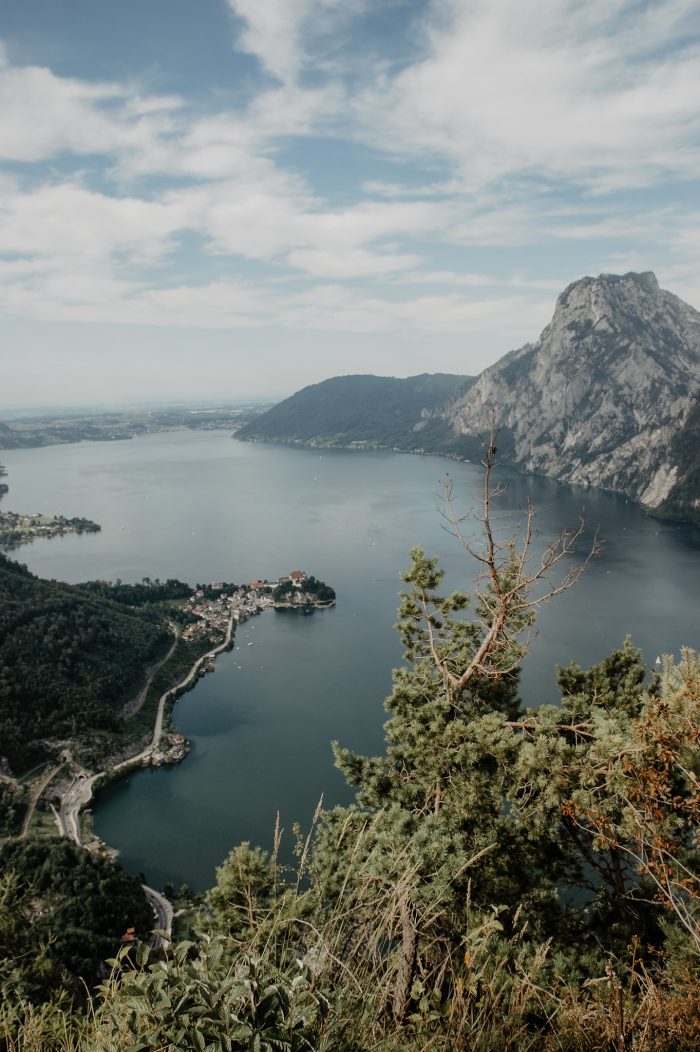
(83, 297)
(54, 295)
(278, 32)
(272, 32)
(67, 221)
(350, 263)
(552, 87)
(134, 207)
(45, 116)
(477, 281)
(42, 115)
(337, 308)
(275, 218)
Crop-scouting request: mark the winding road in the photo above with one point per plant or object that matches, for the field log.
(162, 915)
(38, 790)
(79, 792)
(136, 703)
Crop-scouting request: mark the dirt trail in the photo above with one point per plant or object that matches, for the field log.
(133, 706)
(38, 790)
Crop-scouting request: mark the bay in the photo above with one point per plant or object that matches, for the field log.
(202, 507)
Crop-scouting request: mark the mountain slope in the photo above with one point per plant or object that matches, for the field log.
(608, 396)
(604, 397)
(368, 411)
(68, 661)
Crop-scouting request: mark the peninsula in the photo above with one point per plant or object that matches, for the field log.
(189, 628)
(17, 529)
(215, 610)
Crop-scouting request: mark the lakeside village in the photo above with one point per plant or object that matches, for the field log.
(16, 529)
(217, 605)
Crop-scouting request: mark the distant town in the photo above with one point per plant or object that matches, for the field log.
(41, 429)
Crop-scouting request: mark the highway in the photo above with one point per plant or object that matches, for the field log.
(76, 796)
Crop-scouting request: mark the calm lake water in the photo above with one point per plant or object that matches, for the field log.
(202, 507)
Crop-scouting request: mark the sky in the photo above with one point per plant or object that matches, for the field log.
(231, 199)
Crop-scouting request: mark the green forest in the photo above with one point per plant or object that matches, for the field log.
(143, 593)
(319, 590)
(370, 410)
(69, 659)
(507, 878)
(63, 911)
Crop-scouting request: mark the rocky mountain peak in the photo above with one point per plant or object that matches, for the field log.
(612, 287)
(614, 315)
(602, 395)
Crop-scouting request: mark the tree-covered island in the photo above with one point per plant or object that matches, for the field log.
(297, 591)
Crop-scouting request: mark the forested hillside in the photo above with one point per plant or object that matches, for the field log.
(62, 914)
(371, 411)
(68, 661)
(142, 594)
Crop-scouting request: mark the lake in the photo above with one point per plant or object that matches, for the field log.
(202, 507)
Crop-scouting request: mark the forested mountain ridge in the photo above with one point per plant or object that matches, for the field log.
(367, 411)
(69, 659)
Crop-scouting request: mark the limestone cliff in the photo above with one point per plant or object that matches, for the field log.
(605, 397)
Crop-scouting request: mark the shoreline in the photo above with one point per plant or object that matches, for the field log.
(82, 789)
(84, 784)
(676, 518)
(304, 607)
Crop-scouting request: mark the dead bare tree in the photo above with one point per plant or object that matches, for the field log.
(512, 583)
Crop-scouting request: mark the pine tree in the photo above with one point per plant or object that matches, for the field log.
(612, 777)
(430, 838)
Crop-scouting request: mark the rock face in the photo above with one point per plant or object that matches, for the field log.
(604, 397)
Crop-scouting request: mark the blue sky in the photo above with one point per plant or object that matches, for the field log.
(234, 198)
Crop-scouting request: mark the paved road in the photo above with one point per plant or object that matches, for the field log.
(79, 793)
(158, 729)
(76, 796)
(162, 915)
